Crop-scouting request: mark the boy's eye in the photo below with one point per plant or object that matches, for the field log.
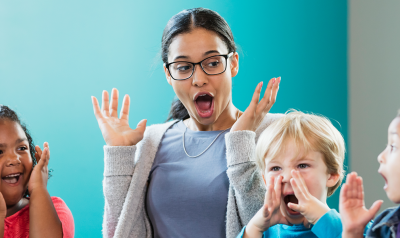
(1, 152)
(303, 166)
(392, 147)
(275, 168)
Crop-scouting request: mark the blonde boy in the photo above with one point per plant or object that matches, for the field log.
(300, 157)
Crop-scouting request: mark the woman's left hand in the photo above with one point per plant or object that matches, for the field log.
(255, 113)
(40, 172)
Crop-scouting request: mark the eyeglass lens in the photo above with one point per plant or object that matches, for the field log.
(183, 70)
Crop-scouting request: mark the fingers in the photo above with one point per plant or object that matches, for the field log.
(96, 108)
(375, 208)
(360, 189)
(270, 190)
(141, 126)
(278, 188)
(267, 95)
(125, 108)
(270, 95)
(295, 207)
(256, 97)
(38, 153)
(299, 189)
(105, 104)
(114, 103)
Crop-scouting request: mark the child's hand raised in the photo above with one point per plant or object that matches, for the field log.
(355, 216)
(269, 214)
(309, 206)
(40, 172)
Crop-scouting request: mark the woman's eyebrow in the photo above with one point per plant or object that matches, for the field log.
(181, 57)
(211, 52)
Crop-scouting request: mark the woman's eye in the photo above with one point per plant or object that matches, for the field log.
(275, 168)
(392, 147)
(213, 64)
(303, 166)
(1, 152)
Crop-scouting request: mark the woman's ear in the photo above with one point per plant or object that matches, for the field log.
(332, 180)
(234, 64)
(167, 75)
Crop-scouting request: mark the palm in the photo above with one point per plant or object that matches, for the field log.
(355, 216)
(116, 131)
(255, 113)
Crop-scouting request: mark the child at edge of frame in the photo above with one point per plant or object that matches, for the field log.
(355, 215)
(26, 208)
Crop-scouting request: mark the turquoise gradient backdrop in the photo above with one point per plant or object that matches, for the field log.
(54, 55)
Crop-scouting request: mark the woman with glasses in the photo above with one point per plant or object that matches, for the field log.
(193, 175)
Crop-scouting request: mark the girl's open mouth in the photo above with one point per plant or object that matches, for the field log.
(12, 179)
(204, 103)
(291, 198)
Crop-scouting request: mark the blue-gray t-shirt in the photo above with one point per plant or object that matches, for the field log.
(187, 197)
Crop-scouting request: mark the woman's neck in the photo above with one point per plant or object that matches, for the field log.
(224, 121)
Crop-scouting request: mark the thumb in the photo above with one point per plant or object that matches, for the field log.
(375, 208)
(295, 207)
(141, 126)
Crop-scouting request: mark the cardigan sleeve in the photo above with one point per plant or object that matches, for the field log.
(119, 164)
(243, 175)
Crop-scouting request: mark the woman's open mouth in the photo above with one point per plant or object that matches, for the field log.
(12, 179)
(204, 103)
(291, 198)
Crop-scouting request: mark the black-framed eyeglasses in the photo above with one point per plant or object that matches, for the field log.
(213, 65)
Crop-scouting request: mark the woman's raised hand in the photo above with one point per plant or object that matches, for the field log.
(255, 113)
(116, 131)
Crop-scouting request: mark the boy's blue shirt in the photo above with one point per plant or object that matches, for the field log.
(385, 224)
(328, 226)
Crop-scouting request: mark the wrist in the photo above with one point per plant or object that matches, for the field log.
(352, 234)
(252, 231)
(321, 211)
(38, 190)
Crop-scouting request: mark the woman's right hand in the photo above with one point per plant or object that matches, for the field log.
(116, 131)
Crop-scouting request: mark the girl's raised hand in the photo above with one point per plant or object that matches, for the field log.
(255, 113)
(270, 213)
(40, 172)
(355, 216)
(116, 131)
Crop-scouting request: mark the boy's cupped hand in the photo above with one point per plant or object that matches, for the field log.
(270, 213)
(355, 216)
(40, 172)
(309, 206)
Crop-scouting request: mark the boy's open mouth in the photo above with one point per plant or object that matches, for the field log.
(12, 179)
(291, 198)
(204, 103)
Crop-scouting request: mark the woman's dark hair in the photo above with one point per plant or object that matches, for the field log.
(184, 22)
(8, 114)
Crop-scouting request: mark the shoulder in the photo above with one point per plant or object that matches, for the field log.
(65, 216)
(155, 129)
(268, 120)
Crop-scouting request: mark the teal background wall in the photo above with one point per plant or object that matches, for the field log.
(54, 55)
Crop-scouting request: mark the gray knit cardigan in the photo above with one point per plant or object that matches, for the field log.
(127, 168)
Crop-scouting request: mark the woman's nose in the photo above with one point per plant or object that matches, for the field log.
(199, 78)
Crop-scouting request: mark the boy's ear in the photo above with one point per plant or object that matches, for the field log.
(332, 180)
(265, 182)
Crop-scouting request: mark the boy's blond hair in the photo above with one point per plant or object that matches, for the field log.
(311, 132)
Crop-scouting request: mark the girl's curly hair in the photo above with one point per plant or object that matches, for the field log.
(8, 114)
